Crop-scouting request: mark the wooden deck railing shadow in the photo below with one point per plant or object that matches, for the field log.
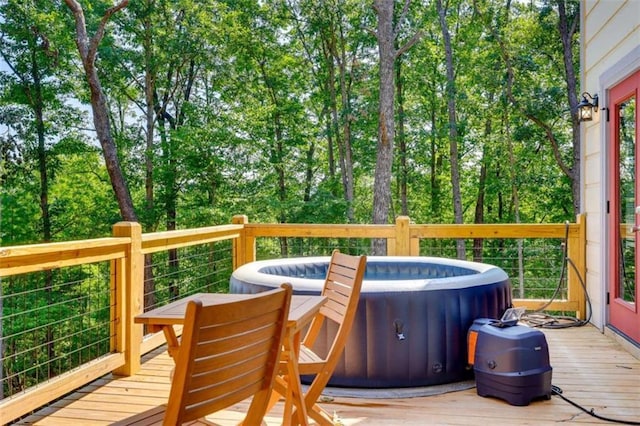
(126, 251)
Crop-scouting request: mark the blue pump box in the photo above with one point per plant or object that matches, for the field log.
(509, 362)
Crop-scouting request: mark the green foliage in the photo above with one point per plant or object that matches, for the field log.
(243, 114)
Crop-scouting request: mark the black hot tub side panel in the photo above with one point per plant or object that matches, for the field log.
(417, 339)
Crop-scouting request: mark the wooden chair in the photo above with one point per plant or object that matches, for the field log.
(342, 288)
(228, 353)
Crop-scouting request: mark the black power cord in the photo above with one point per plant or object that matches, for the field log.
(555, 390)
(538, 319)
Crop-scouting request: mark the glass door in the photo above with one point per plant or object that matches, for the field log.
(624, 208)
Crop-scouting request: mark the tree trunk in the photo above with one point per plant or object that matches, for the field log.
(332, 108)
(309, 166)
(453, 127)
(386, 121)
(88, 49)
(37, 104)
(478, 243)
(277, 152)
(435, 167)
(402, 142)
(567, 30)
(149, 155)
(386, 34)
(149, 90)
(345, 155)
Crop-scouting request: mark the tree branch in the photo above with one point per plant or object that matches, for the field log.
(403, 16)
(552, 139)
(97, 37)
(413, 40)
(81, 27)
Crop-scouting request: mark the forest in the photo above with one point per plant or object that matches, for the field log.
(180, 114)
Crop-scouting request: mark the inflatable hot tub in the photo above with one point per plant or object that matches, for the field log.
(413, 316)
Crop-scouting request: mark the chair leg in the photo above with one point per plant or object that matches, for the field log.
(291, 413)
(316, 413)
(288, 404)
(295, 413)
(276, 393)
(320, 416)
(312, 395)
(258, 408)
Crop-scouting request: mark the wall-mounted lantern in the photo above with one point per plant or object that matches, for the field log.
(585, 108)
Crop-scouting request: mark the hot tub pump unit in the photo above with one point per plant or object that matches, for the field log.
(510, 361)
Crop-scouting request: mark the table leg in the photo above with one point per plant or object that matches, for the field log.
(172, 341)
(294, 395)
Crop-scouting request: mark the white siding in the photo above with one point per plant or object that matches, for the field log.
(610, 51)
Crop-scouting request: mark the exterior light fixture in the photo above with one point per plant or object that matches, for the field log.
(586, 108)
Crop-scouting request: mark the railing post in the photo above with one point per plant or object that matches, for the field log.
(249, 247)
(403, 236)
(128, 278)
(239, 244)
(576, 250)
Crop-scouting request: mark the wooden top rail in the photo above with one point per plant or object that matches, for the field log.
(16, 260)
(511, 230)
(319, 230)
(160, 241)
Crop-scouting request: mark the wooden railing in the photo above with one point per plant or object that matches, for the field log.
(403, 239)
(127, 248)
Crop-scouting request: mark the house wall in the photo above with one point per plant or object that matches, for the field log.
(610, 31)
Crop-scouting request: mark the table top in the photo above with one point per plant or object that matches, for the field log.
(303, 307)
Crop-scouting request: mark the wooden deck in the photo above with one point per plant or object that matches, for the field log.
(591, 369)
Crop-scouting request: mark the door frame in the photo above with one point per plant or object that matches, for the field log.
(598, 279)
(622, 316)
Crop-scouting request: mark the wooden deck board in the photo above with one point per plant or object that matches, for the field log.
(591, 369)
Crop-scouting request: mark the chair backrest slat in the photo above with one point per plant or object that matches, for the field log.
(228, 353)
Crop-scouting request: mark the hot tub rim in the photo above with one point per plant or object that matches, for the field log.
(484, 274)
